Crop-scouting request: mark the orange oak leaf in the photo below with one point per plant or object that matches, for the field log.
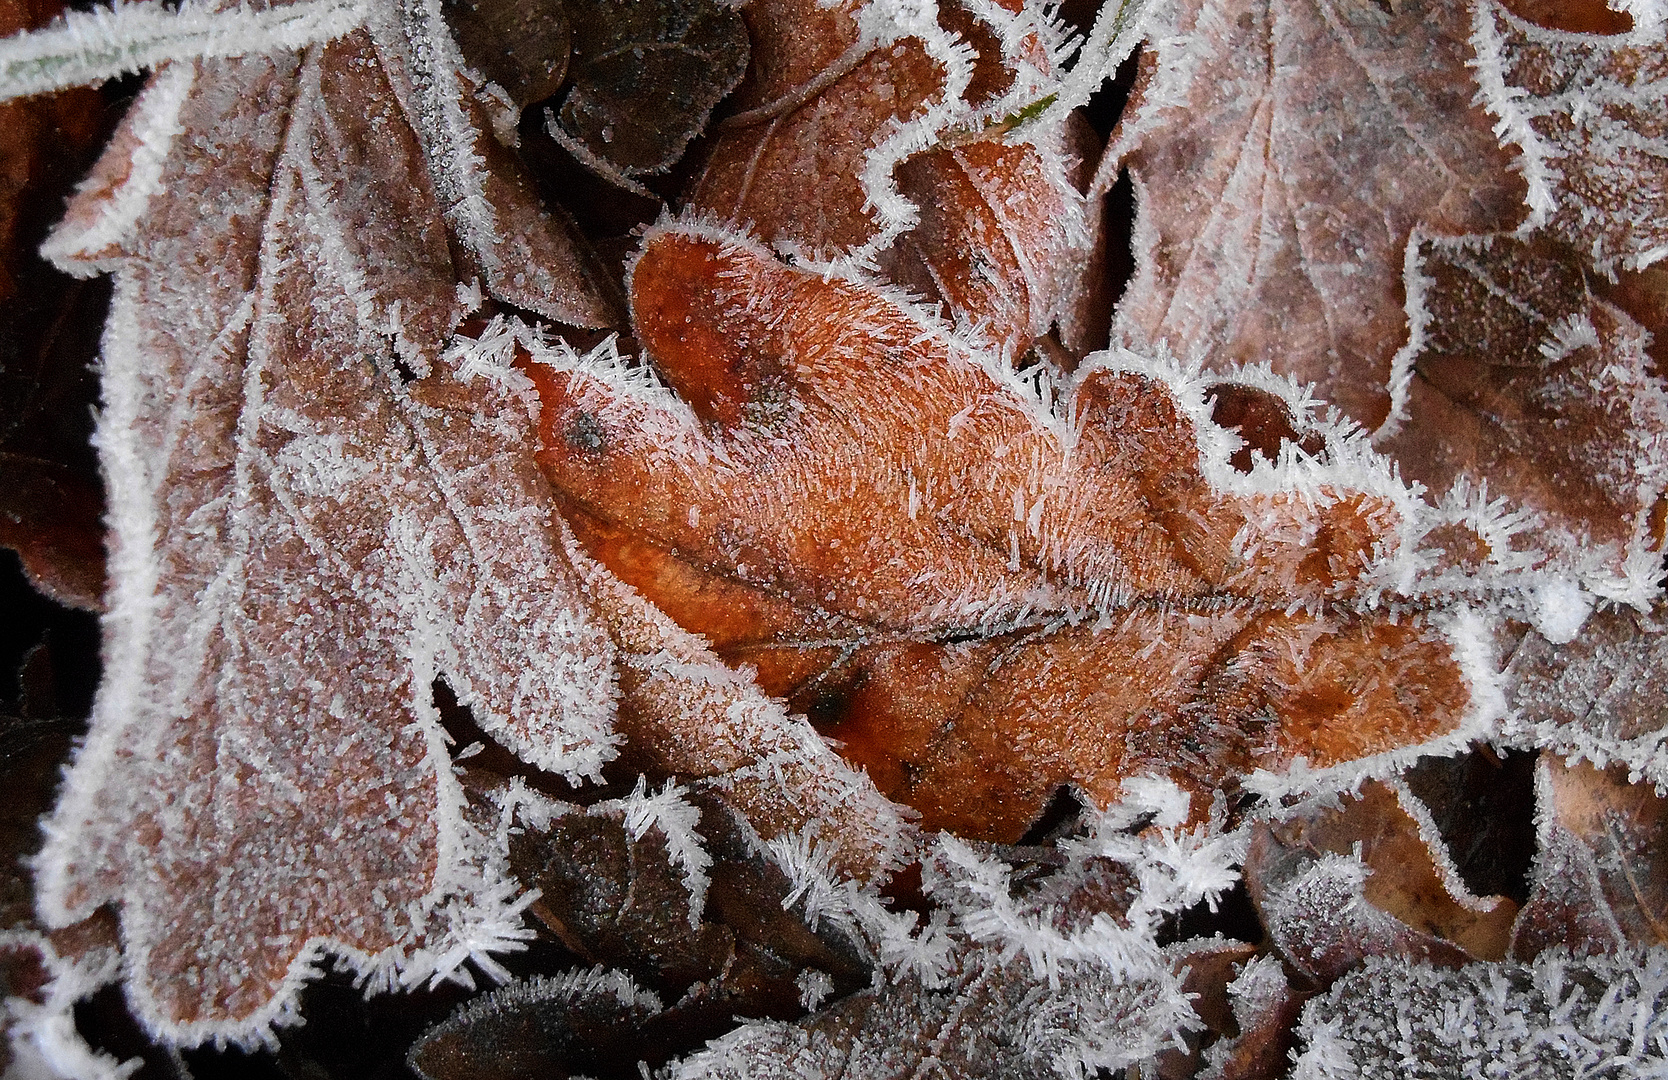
(980, 596)
(316, 514)
(866, 140)
(1519, 378)
(1272, 222)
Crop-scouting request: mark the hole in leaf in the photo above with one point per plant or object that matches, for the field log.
(1262, 420)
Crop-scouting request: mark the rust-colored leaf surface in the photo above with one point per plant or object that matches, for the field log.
(980, 598)
(1273, 219)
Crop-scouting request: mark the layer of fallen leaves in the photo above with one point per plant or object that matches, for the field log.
(661, 506)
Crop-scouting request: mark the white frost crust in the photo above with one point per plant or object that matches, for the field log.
(83, 48)
(44, 1042)
(1175, 867)
(87, 248)
(1601, 1017)
(1583, 102)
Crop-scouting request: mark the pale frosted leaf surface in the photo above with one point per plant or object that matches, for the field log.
(992, 1017)
(1601, 1018)
(1598, 697)
(304, 542)
(1009, 566)
(1282, 153)
(1586, 112)
(1599, 882)
(1517, 377)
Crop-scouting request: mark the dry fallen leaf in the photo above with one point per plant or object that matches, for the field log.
(1272, 222)
(291, 503)
(1370, 878)
(1009, 568)
(1521, 378)
(855, 540)
(1599, 883)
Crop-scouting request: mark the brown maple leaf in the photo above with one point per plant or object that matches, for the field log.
(1282, 153)
(980, 597)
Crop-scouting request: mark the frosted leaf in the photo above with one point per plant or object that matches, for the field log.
(1600, 1018)
(539, 1027)
(1598, 697)
(876, 133)
(645, 78)
(1517, 377)
(1282, 152)
(1598, 883)
(85, 47)
(992, 1019)
(1091, 572)
(1265, 1007)
(525, 253)
(1585, 110)
(306, 536)
(1368, 878)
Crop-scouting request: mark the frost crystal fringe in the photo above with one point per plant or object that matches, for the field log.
(90, 47)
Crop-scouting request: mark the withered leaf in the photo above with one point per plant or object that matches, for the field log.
(543, 1028)
(613, 888)
(1006, 569)
(1272, 215)
(1583, 109)
(1520, 379)
(522, 46)
(315, 514)
(1369, 878)
(1397, 1018)
(1265, 1009)
(864, 139)
(646, 76)
(1598, 697)
(1600, 885)
(992, 1018)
